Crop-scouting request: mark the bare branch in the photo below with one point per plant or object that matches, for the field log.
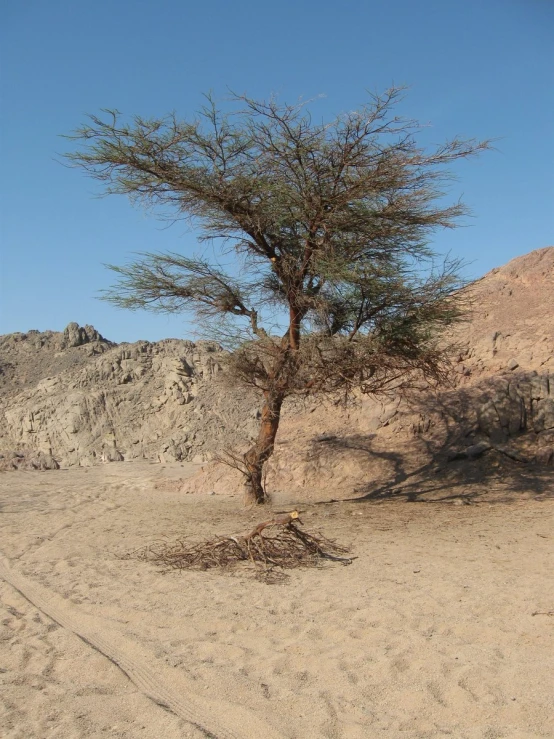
(332, 222)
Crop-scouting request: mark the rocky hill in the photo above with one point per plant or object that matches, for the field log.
(75, 398)
(511, 327)
(494, 427)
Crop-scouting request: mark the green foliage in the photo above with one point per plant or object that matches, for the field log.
(331, 224)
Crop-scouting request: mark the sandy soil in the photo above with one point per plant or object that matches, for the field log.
(442, 627)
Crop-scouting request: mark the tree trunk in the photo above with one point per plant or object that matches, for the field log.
(257, 456)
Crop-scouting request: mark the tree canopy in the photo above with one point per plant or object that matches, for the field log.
(336, 284)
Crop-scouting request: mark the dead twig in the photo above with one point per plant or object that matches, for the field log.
(277, 543)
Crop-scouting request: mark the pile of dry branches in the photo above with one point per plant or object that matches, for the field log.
(277, 543)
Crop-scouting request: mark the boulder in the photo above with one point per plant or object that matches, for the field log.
(543, 417)
(545, 455)
(75, 335)
(43, 462)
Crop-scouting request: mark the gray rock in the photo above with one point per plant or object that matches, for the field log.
(75, 335)
(540, 387)
(43, 462)
(543, 419)
(487, 417)
(113, 455)
(471, 452)
(476, 450)
(503, 415)
(545, 455)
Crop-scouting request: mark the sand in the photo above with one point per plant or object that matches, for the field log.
(442, 627)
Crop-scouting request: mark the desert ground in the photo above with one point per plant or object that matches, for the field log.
(443, 625)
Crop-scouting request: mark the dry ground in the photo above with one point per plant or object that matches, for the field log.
(442, 627)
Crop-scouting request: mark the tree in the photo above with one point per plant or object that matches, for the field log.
(329, 223)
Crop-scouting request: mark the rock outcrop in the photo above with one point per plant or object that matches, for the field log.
(511, 326)
(75, 335)
(500, 412)
(84, 400)
(75, 398)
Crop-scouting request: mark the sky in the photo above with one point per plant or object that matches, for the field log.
(477, 68)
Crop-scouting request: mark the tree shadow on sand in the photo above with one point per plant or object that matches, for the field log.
(493, 477)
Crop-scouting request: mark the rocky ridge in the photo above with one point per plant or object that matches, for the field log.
(497, 419)
(74, 398)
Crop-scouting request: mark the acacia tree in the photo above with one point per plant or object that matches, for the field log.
(333, 285)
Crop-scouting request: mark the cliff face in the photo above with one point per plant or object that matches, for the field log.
(75, 398)
(81, 399)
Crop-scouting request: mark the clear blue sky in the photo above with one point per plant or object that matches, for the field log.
(482, 68)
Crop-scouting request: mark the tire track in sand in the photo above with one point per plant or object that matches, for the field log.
(164, 685)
